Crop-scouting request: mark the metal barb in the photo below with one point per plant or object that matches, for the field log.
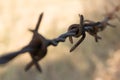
(38, 45)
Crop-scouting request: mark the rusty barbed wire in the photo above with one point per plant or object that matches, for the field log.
(92, 27)
(37, 47)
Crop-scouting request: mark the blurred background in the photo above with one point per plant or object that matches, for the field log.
(90, 61)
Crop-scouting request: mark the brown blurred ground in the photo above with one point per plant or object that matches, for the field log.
(91, 61)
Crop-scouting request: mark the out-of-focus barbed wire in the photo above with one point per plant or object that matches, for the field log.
(39, 44)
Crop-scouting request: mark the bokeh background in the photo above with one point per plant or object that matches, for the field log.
(90, 61)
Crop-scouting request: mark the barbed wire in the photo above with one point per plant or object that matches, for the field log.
(37, 47)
